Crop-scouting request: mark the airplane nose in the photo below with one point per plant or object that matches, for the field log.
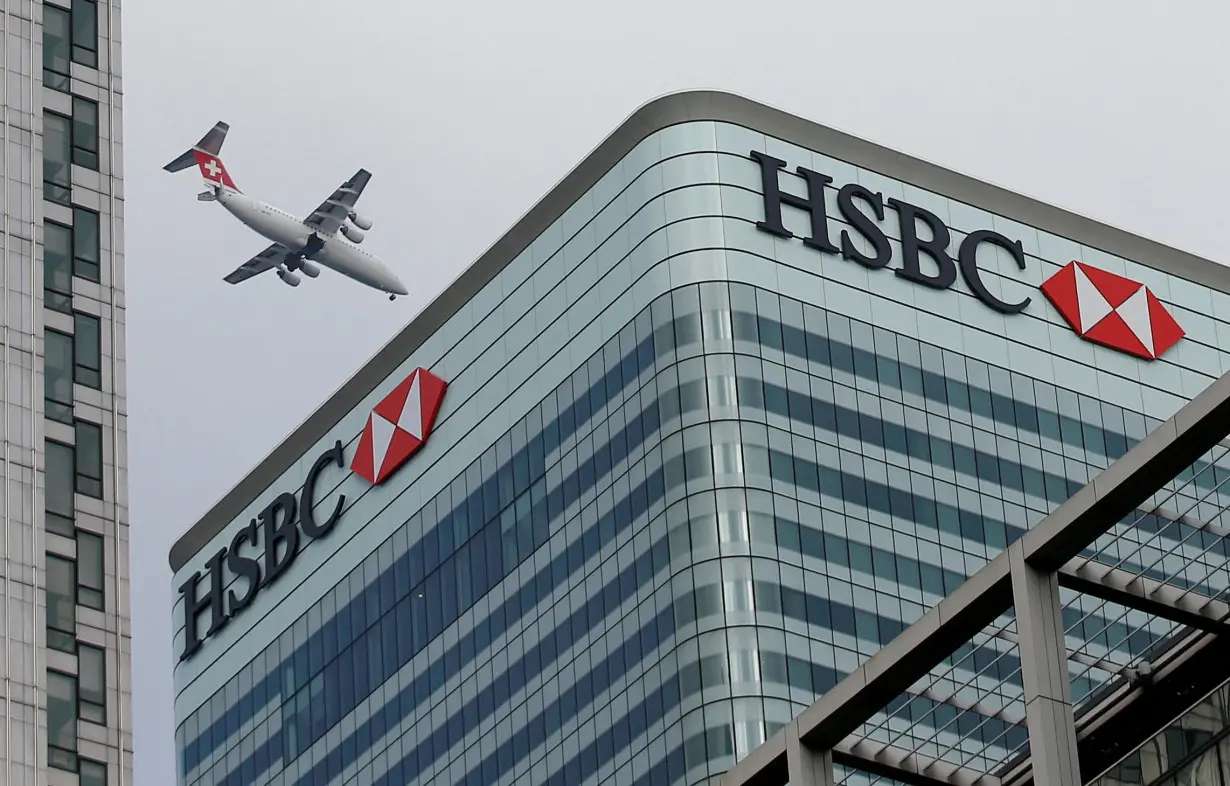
(392, 284)
(396, 287)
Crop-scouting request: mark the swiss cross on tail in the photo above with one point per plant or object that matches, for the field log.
(205, 155)
(213, 170)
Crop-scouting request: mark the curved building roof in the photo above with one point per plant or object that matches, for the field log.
(660, 113)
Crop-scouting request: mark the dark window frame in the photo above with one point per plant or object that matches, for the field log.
(81, 263)
(97, 709)
(84, 51)
(88, 375)
(54, 408)
(55, 191)
(67, 519)
(85, 764)
(88, 596)
(54, 297)
(52, 78)
(83, 482)
(85, 146)
(68, 759)
(64, 637)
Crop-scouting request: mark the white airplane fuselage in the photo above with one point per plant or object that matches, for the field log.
(334, 252)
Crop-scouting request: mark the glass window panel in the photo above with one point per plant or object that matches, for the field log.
(58, 376)
(93, 773)
(61, 509)
(89, 465)
(86, 244)
(87, 347)
(61, 603)
(85, 32)
(61, 720)
(90, 570)
(92, 683)
(931, 438)
(58, 266)
(57, 155)
(85, 133)
(57, 47)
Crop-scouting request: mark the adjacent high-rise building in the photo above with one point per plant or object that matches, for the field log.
(735, 403)
(66, 699)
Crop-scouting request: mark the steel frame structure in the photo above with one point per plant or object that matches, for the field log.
(1027, 577)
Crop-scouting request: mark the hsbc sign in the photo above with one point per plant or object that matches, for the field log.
(864, 210)
(1099, 306)
(396, 428)
(1112, 310)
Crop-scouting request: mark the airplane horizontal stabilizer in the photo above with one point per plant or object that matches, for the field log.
(183, 162)
(210, 144)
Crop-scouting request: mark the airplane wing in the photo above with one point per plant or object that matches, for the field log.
(265, 260)
(333, 212)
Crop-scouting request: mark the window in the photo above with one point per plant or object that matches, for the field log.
(61, 720)
(57, 47)
(58, 266)
(58, 376)
(90, 570)
(57, 155)
(85, 133)
(86, 244)
(89, 469)
(85, 33)
(93, 773)
(61, 603)
(92, 683)
(61, 469)
(87, 350)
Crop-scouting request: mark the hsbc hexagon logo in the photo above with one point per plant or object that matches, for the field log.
(398, 426)
(1113, 311)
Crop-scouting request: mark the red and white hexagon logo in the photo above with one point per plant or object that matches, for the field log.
(398, 426)
(1113, 311)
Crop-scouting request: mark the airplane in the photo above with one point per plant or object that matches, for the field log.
(297, 245)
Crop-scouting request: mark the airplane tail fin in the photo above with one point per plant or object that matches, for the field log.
(205, 154)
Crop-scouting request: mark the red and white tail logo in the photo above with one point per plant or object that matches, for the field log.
(213, 170)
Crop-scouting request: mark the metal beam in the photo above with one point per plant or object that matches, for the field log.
(1049, 713)
(1119, 489)
(908, 658)
(765, 765)
(906, 766)
(1148, 595)
(1124, 714)
(979, 707)
(1082, 658)
(1114, 493)
(1188, 520)
(806, 766)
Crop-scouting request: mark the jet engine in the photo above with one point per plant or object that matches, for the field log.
(289, 278)
(361, 221)
(352, 234)
(310, 269)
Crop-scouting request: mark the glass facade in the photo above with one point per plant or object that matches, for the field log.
(64, 475)
(740, 495)
(1192, 750)
(763, 494)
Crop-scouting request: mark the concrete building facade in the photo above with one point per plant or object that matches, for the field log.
(730, 408)
(65, 657)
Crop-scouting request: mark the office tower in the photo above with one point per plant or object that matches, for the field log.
(67, 685)
(726, 411)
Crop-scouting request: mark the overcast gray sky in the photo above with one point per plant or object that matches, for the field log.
(468, 112)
